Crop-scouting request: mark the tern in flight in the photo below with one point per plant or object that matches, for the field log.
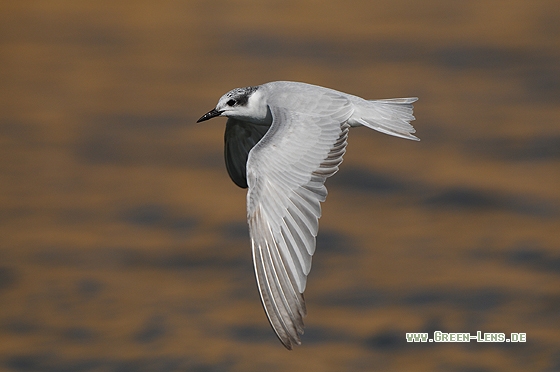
(282, 141)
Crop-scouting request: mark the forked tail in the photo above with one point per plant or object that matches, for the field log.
(389, 116)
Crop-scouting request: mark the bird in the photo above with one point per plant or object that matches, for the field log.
(283, 140)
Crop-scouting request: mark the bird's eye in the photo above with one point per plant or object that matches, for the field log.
(231, 102)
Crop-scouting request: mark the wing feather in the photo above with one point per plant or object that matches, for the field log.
(286, 172)
(240, 137)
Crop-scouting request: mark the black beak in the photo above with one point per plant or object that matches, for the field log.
(209, 115)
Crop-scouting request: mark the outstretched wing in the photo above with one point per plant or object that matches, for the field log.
(286, 172)
(240, 137)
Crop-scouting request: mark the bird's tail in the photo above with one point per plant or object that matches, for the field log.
(389, 116)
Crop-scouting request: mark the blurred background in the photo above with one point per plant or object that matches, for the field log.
(124, 244)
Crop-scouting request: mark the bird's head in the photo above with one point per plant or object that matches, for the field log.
(246, 104)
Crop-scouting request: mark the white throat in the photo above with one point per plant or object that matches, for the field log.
(257, 107)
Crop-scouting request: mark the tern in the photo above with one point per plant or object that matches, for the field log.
(282, 141)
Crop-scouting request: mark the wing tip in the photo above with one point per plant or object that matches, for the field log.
(289, 344)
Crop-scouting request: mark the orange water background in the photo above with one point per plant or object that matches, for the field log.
(124, 245)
